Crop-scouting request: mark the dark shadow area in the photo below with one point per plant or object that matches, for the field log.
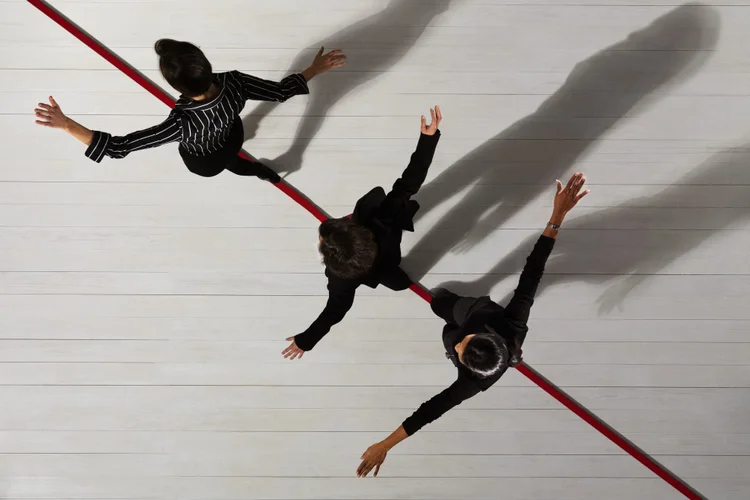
(638, 238)
(372, 46)
(522, 162)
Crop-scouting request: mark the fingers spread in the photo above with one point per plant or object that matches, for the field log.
(582, 195)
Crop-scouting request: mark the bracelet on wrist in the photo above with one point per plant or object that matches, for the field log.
(556, 227)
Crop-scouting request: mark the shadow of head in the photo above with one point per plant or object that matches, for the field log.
(523, 161)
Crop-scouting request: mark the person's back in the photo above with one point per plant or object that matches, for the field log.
(366, 247)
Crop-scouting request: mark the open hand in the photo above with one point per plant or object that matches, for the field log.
(327, 62)
(436, 117)
(567, 197)
(373, 457)
(292, 352)
(50, 115)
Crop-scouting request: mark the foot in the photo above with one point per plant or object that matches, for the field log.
(265, 173)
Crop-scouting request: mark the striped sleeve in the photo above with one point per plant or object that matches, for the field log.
(104, 144)
(258, 89)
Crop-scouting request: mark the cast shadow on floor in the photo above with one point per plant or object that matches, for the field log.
(522, 162)
(372, 46)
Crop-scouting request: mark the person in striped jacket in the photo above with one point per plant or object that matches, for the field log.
(206, 118)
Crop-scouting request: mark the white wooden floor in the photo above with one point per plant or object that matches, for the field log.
(143, 309)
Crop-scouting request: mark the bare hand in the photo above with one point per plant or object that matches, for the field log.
(373, 457)
(566, 198)
(436, 116)
(50, 115)
(292, 352)
(327, 62)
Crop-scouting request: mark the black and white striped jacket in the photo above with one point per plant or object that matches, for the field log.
(200, 127)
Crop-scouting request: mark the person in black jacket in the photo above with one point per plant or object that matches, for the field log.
(365, 249)
(206, 118)
(482, 338)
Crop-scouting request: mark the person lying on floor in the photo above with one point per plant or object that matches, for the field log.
(365, 249)
(206, 118)
(480, 337)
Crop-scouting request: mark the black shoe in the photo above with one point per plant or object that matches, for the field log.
(265, 173)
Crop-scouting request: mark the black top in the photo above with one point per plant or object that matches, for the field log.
(387, 216)
(200, 127)
(509, 322)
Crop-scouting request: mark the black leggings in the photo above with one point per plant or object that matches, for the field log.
(224, 159)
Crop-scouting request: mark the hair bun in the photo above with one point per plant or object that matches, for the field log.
(164, 46)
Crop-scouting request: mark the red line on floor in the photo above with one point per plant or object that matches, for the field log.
(533, 375)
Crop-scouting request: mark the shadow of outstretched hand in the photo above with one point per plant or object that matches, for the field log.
(372, 46)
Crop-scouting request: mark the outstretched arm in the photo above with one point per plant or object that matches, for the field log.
(458, 392)
(413, 177)
(258, 89)
(101, 144)
(340, 300)
(519, 307)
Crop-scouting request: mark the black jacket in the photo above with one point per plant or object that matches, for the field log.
(387, 215)
(484, 316)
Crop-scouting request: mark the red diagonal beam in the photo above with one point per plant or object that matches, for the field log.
(533, 375)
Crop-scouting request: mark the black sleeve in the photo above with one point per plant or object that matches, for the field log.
(519, 307)
(340, 300)
(104, 144)
(413, 177)
(258, 89)
(461, 390)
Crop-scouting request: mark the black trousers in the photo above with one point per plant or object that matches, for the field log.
(224, 159)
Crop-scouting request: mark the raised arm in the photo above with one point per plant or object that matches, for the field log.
(461, 390)
(413, 177)
(258, 89)
(101, 144)
(340, 300)
(519, 307)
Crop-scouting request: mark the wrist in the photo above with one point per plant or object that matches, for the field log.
(557, 218)
(310, 72)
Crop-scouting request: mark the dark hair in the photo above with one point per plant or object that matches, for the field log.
(184, 67)
(348, 248)
(485, 354)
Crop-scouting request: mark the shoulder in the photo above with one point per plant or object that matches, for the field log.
(464, 387)
(368, 204)
(337, 284)
(229, 76)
